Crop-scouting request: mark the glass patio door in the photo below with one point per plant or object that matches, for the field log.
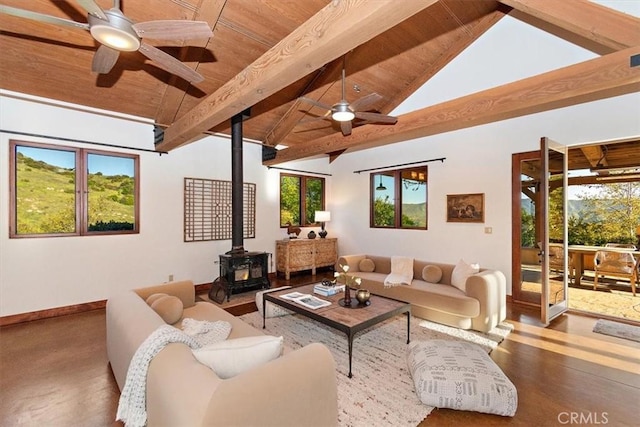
(554, 237)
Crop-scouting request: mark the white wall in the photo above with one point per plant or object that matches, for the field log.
(42, 273)
(478, 160)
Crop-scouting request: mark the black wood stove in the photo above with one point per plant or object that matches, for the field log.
(240, 270)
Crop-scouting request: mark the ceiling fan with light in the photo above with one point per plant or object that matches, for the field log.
(117, 33)
(344, 112)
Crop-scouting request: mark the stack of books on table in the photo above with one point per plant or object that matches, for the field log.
(327, 291)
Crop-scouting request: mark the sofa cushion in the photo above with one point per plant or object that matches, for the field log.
(431, 273)
(169, 308)
(367, 265)
(461, 272)
(460, 375)
(232, 357)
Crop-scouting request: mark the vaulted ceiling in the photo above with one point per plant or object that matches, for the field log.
(266, 54)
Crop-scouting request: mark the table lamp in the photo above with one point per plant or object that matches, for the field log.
(322, 217)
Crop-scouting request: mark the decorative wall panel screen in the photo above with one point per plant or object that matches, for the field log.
(207, 210)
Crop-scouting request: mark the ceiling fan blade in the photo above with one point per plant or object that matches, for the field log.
(93, 9)
(345, 127)
(104, 59)
(376, 117)
(316, 103)
(364, 102)
(173, 30)
(22, 13)
(327, 116)
(170, 64)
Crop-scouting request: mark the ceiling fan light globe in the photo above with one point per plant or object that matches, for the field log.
(115, 38)
(342, 113)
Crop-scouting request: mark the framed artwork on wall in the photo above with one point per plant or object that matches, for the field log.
(465, 207)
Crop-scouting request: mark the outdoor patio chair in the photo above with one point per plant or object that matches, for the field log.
(616, 264)
(556, 259)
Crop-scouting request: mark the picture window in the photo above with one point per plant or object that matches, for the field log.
(70, 191)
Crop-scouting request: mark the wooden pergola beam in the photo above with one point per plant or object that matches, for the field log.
(598, 78)
(595, 155)
(337, 28)
(600, 24)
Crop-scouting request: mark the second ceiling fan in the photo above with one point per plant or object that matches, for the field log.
(344, 112)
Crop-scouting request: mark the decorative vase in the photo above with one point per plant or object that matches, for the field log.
(363, 295)
(311, 235)
(347, 296)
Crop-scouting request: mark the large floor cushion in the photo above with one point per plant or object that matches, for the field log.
(460, 375)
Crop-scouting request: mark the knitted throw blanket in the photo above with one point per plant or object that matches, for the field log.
(401, 272)
(132, 409)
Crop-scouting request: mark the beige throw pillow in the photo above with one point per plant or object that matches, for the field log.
(169, 308)
(461, 272)
(232, 357)
(366, 265)
(431, 273)
(153, 297)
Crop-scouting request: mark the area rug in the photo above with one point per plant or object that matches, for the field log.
(381, 392)
(617, 329)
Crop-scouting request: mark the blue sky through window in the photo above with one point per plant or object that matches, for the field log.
(59, 158)
(108, 165)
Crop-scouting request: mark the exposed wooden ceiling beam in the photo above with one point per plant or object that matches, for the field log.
(297, 111)
(599, 78)
(602, 25)
(337, 28)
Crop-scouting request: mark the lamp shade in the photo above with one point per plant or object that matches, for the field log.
(323, 216)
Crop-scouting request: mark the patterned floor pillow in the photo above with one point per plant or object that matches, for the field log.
(460, 375)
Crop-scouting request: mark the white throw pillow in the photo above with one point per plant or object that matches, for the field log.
(461, 272)
(460, 375)
(232, 357)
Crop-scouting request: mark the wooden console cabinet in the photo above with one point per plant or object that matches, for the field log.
(305, 254)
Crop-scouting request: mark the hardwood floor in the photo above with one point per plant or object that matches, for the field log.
(54, 372)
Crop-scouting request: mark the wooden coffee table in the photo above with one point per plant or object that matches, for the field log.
(348, 320)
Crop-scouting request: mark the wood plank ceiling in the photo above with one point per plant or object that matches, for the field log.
(265, 54)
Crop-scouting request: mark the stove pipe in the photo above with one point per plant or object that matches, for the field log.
(237, 183)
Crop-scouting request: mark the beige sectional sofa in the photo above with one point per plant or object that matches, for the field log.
(298, 388)
(480, 307)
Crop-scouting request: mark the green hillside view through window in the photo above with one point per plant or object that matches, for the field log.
(50, 198)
